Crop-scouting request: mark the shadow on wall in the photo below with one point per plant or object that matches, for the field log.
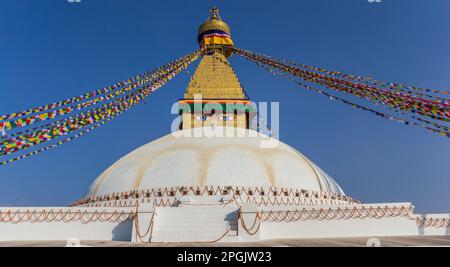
(231, 219)
(448, 228)
(422, 228)
(123, 231)
(421, 231)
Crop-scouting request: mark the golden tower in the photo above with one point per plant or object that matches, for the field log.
(214, 95)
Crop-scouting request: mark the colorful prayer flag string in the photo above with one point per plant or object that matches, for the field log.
(369, 80)
(99, 116)
(438, 110)
(128, 86)
(129, 82)
(443, 131)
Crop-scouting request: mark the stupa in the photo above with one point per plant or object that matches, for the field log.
(213, 180)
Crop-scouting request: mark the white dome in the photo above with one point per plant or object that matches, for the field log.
(176, 160)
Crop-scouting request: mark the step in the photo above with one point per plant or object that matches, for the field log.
(192, 237)
(193, 223)
(189, 229)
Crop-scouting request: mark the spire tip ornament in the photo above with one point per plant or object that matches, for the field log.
(215, 35)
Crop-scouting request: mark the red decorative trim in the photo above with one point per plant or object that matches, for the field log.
(237, 191)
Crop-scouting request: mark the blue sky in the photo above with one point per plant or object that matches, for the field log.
(53, 49)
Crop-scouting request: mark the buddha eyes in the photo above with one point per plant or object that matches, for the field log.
(202, 118)
(221, 117)
(226, 118)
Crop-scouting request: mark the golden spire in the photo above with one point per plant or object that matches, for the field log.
(214, 13)
(215, 79)
(214, 22)
(214, 82)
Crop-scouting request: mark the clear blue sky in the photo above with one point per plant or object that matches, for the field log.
(53, 49)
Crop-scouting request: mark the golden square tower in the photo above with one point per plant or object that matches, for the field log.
(214, 96)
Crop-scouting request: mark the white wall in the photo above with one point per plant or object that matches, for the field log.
(65, 230)
(336, 228)
(107, 230)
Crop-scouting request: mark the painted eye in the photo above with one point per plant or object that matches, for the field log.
(227, 118)
(201, 118)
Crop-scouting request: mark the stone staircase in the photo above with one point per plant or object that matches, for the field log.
(194, 224)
